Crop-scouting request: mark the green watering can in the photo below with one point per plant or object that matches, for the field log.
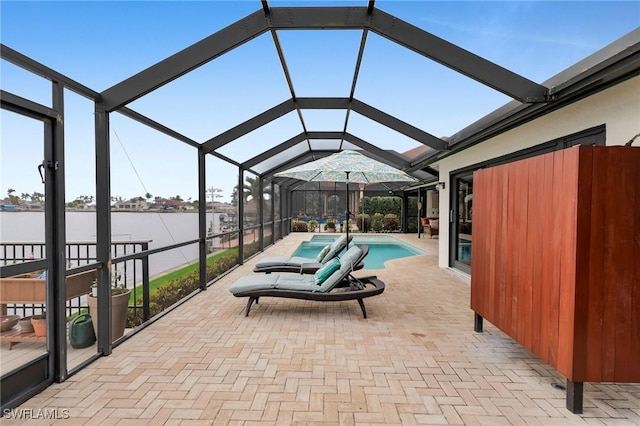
(81, 334)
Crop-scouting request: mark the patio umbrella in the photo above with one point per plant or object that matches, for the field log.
(347, 166)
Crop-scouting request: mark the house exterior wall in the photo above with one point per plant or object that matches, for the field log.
(617, 107)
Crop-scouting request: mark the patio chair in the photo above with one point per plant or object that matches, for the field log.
(331, 283)
(304, 265)
(432, 229)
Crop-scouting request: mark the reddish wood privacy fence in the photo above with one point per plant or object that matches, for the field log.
(556, 258)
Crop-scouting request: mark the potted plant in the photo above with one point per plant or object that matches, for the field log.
(39, 323)
(330, 225)
(119, 306)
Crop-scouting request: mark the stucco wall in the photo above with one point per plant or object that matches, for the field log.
(617, 107)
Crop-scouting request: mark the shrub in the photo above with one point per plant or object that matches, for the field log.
(367, 222)
(391, 222)
(250, 249)
(376, 223)
(226, 262)
(177, 289)
(313, 225)
(384, 205)
(164, 296)
(300, 226)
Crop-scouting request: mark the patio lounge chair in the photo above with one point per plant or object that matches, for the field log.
(432, 228)
(338, 286)
(304, 265)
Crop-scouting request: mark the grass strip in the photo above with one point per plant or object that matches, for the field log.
(178, 273)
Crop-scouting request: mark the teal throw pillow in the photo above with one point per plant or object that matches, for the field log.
(322, 253)
(326, 271)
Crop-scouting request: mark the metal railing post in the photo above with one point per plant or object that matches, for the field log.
(146, 308)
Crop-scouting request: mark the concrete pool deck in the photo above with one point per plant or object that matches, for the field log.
(415, 360)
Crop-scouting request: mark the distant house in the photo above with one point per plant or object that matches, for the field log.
(167, 204)
(34, 205)
(219, 206)
(131, 205)
(89, 206)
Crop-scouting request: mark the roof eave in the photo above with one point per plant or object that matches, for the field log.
(609, 66)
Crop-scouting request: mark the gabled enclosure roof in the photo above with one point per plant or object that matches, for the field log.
(309, 145)
(529, 99)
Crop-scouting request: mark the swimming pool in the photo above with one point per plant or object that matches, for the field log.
(381, 248)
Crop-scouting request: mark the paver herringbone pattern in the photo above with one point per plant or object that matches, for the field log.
(415, 360)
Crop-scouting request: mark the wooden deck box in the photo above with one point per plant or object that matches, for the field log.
(556, 260)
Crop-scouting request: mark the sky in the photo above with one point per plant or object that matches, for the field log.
(99, 44)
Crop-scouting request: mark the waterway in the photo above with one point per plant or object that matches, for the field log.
(162, 229)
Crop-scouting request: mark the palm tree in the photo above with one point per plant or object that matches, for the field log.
(12, 198)
(251, 189)
(251, 193)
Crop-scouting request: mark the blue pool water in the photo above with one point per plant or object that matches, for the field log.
(381, 248)
(464, 250)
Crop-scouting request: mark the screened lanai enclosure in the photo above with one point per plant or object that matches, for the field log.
(131, 122)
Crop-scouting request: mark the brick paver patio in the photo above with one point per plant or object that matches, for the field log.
(415, 360)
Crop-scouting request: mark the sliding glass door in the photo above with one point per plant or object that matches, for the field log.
(461, 201)
(461, 221)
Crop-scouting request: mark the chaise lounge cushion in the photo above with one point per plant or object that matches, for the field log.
(297, 281)
(301, 264)
(323, 253)
(353, 255)
(335, 248)
(279, 281)
(350, 259)
(294, 261)
(326, 271)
